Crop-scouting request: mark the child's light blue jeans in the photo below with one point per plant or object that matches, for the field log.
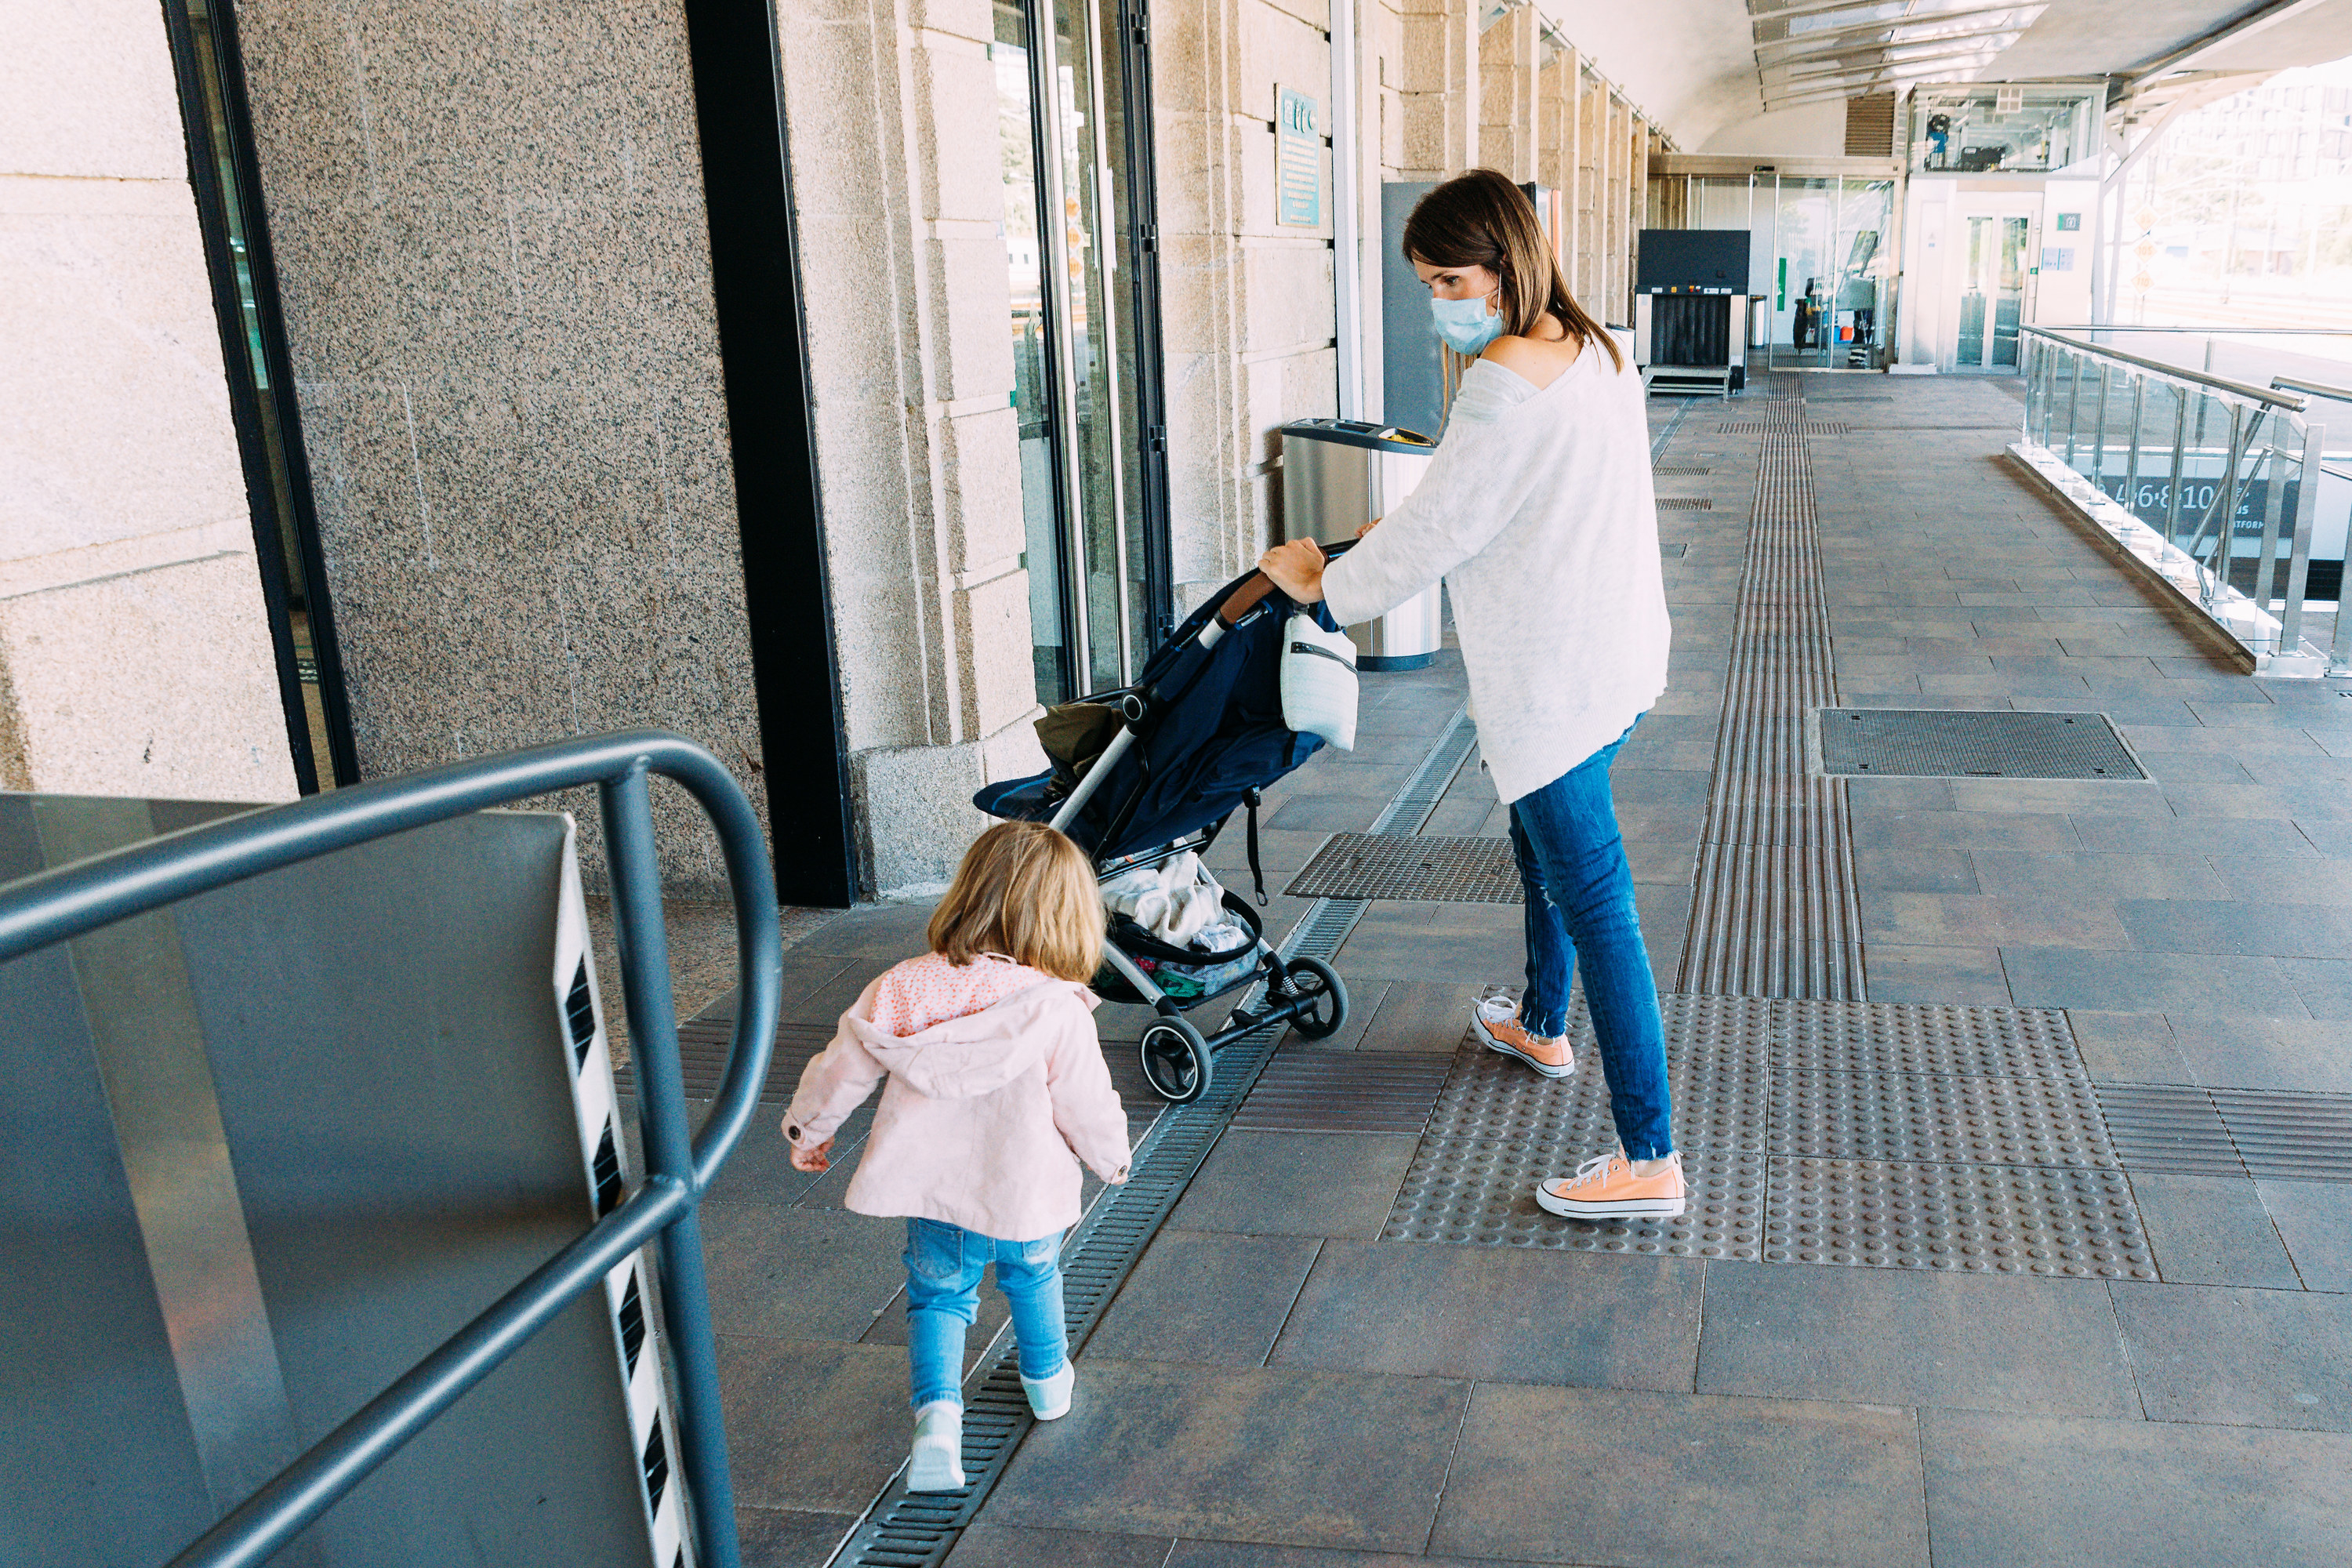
(943, 1267)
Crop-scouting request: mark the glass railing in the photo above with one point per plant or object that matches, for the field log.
(2223, 489)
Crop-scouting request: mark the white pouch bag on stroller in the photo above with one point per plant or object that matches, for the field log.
(1319, 682)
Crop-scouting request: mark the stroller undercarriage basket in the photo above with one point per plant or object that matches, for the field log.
(1198, 735)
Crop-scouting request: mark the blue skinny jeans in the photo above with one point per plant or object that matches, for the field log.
(1580, 910)
(943, 1267)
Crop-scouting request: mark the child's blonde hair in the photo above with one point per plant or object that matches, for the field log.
(1027, 893)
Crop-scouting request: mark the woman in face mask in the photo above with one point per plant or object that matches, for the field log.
(1537, 513)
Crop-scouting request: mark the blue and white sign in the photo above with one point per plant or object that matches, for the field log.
(1299, 159)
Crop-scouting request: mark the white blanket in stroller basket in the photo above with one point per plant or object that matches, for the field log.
(1175, 901)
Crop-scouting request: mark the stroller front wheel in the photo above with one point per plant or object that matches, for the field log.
(1319, 980)
(1175, 1061)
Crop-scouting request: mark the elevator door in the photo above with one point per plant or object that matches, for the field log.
(1993, 248)
(1083, 341)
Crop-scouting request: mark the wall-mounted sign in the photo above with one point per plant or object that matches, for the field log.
(2070, 223)
(2057, 259)
(1298, 159)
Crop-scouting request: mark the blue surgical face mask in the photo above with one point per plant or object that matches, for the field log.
(1465, 324)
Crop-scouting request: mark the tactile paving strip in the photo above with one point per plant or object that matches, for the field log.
(1884, 1135)
(1428, 868)
(1763, 428)
(1304, 1089)
(2306, 1136)
(1940, 743)
(2004, 1219)
(2168, 1127)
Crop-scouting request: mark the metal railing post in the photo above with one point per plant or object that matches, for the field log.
(2179, 460)
(643, 946)
(2099, 439)
(2298, 555)
(2131, 464)
(2073, 402)
(2266, 559)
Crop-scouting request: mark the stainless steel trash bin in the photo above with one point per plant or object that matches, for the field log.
(1339, 475)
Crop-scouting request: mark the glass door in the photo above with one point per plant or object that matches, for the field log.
(1084, 345)
(1992, 292)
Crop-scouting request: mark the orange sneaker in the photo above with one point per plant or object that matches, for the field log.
(1496, 1019)
(1605, 1187)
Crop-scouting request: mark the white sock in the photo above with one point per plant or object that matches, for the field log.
(1645, 1169)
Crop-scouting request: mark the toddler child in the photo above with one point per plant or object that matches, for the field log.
(996, 1082)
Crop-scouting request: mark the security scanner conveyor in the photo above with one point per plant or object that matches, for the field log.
(319, 1238)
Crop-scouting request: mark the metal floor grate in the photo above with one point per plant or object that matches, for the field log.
(1810, 1135)
(1304, 1089)
(1768, 426)
(702, 1058)
(1680, 471)
(1960, 743)
(1685, 503)
(1432, 868)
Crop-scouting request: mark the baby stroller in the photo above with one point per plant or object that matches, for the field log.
(1146, 773)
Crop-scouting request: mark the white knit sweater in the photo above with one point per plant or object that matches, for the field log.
(1538, 512)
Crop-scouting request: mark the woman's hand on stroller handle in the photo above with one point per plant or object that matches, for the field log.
(1296, 568)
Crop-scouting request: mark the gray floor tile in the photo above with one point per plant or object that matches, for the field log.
(1206, 1297)
(987, 1545)
(2323, 985)
(1971, 976)
(2165, 982)
(1984, 921)
(1579, 1318)
(2217, 838)
(2298, 1055)
(1423, 1015)
(1880, 1336)
(2129, 1047)
(1326, 812)
(1614, 1476)
(2276, 927)
(812, 1428)
(2057, 875)
(780, 1538)
(2210, 1230)
(1971, 829)
(1297, 1183)
(1499, 956)
(2314, 1220)
(2239, 1357)
(1364, 1000)
(1249, 1555)
(2304, 881)
(1285, 1456)
(800, 1274)
(1886, 864)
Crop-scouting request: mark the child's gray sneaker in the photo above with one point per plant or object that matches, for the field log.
(1049, 1397)
(936, 1465)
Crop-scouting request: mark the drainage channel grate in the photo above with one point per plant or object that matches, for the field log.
(1685, 503)
(1961, 743)
(2185, 1129)
(1776, 427)
(1307, 1091)
(1433, 869)
(702, 1045)
(912, 1529)
(1680, 471)
(1809, 1136)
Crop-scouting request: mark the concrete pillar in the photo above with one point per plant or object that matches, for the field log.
(1506, 93)
(1591, 283)
(134, 651)
(1440, 87)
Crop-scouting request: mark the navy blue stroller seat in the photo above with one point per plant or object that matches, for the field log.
(1197, 736)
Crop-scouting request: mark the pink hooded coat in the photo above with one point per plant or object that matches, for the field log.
(982, 1116)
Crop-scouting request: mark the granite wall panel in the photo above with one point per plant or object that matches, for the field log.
(495, 272)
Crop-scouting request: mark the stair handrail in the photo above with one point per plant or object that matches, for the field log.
(59, 905)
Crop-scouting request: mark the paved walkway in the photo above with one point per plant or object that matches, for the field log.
(2083, 1154)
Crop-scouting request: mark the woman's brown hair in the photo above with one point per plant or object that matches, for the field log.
(1481, 219)
(1027, 893)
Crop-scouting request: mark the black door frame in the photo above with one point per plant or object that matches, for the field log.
(755, 278)
(277, 479)
(1142, 240)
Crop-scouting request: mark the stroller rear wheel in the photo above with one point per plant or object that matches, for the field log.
(1176, 1060)
(1319, 980)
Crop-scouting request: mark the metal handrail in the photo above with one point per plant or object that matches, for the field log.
(2313, 388)
(55, 906)
(2287, 401)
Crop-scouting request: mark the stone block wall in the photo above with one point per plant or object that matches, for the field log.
(134, 651)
